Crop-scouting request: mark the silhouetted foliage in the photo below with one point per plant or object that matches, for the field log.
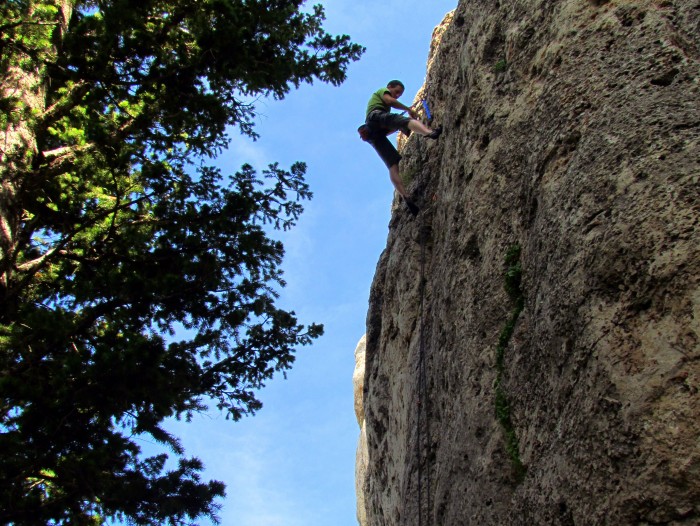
(137, 282)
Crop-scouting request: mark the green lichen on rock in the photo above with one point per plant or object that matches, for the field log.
(513, 277)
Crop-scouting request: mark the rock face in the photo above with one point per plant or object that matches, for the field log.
(570, 397)
(358, 379)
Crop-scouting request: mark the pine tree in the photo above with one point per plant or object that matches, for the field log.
(137, 282)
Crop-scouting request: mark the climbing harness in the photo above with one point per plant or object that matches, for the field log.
(422, 417)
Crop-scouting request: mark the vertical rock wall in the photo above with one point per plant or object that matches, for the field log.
(572, 143)
(358, 380)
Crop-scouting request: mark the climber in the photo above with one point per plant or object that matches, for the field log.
(380, 122)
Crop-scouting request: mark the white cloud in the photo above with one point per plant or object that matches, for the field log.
(254, 465)
(243, 150)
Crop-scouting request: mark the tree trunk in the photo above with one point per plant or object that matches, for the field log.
(23, 93)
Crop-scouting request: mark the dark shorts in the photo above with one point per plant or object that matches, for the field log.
(381, 124)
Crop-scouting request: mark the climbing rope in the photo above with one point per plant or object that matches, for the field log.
(423, 420)
(422, 391)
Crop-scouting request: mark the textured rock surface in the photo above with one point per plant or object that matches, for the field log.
(573, 131)
(358, 380)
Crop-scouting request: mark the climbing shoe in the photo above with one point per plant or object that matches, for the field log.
(435, 133)
(412, 207)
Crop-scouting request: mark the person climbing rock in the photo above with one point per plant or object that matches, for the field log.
(380, 122)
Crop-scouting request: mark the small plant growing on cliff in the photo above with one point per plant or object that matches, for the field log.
(500, 66)
(408, 175)
(512, 285)
(504, 418)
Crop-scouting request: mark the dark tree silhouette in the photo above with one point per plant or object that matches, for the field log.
(115, 232)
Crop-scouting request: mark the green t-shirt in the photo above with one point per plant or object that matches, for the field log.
(376, 102)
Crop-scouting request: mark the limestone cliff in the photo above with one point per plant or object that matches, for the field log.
(569, 170)
(358, 380)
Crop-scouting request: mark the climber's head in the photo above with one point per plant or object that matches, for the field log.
(395, 88)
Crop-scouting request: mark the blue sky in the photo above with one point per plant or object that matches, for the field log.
(292, 464)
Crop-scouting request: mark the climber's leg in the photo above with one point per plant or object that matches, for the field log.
(386, 150)
(418, 127)
(396, 180)
(422, 129)
(395, 177)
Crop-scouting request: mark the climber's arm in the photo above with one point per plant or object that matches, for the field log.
(394, 103)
